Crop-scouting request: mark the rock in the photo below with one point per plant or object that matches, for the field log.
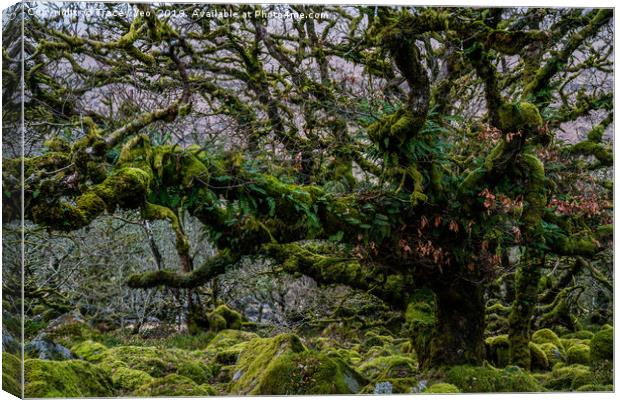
(72, 378)
(47, 350)
(174, 385)
(9, 343)
(442, 388)
(155, 362)
(470, 379)
(11, 374)
(547, 336)
(283, 366)
(393, 366)
(578, 354)
(383, 388)
(602, 346)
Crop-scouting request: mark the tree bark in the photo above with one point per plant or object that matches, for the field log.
(459, 333)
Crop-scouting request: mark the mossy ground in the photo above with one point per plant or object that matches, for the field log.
(374, 360)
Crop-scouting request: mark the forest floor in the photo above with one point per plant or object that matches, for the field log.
(240, 359)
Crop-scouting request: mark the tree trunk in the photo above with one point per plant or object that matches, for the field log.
(523, 307)
(458, 337)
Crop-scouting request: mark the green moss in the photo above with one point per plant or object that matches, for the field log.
(442, 388)
(153, 361)
(72, 378)
(470, 379)
(71, 332)
(308, 372)
(547, 336)
(539, 360)
(89, 350)
(258, 356)
(524, 117)
(578, 354)
(498, 350)
(568, 377)
(227, 339)
(595, 388)
(553, 353)
(584, 335)
(174, 385)
(11, 374)
(127, 380)
(602, 346)
(230, 355)
(223, 317)
(420, 320)
(392, 366)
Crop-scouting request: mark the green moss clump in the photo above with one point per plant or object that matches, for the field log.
(514, 117)
(584, 335)
(564, 378)
(11, 374)
(470, 379)
(602, 346)
(442, 388)
(308, 372)
(539, 360)
(127, 380)
(230, 355)
(72, 378)
(153, 361)
(174, 385)
(89, 350)
(595, 388)
(226, 339)
(147, 359)
(547, 336)
(498, 350)
(553, 353)
(71, 332)
(257, 358)
(224, 317)
(392, 366)
(578, 354)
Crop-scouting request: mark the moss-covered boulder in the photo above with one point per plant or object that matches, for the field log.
(470, 379)
(538, 357)
(174, 385)
(69, 329)
(578, 354)
(602, 346)
(565, 378)
(89, 350)
(126, 380)
(442, 388)
(11, 374)
(156, 362)
(282, 365)
(224, 317)
(584, 334)
(553, 353)
(393, 366)
(595, 388)
(372, 339)
(542, 336)
(226, 339)
(72, 378)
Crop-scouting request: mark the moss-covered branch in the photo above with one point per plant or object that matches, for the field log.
(213, 267)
